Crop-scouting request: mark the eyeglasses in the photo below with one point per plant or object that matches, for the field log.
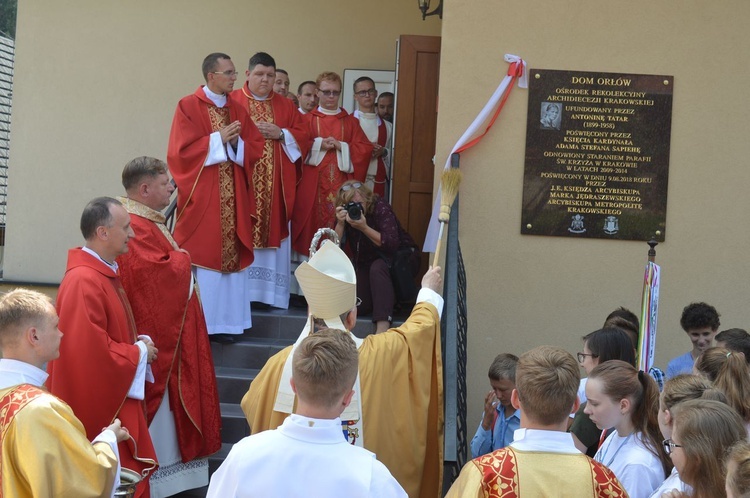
(582, 356)
(365, 93)
(227, 73)
(359, 300)
(669, 445)
(347, 188)
(330, 93)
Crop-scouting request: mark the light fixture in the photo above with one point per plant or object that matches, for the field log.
(424, 6)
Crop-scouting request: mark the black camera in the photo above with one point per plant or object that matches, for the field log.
(354, 209)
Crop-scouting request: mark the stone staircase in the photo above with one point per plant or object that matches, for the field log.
(237, 365)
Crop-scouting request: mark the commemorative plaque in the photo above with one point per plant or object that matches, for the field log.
(597, 155)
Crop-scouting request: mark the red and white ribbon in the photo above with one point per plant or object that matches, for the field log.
(471, 137)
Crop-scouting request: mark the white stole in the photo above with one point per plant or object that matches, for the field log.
(343, 157)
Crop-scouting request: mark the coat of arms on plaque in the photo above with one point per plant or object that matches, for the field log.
(611, 225)
(576, 226)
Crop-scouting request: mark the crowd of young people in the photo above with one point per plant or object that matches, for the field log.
(690, 440)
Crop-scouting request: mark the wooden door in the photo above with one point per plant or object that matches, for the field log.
(415, 128)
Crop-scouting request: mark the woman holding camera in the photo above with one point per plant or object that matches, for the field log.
(371, 235)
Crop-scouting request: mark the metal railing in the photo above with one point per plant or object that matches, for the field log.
(453, 332)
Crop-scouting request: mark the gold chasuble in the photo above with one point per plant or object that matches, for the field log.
(512, 473)
(45, 451)
(230, 254)
(402, 400)
(263, 173)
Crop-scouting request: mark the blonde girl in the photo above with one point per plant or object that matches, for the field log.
(676, 390)
(730, 374)
(738, 471)
(702, 432)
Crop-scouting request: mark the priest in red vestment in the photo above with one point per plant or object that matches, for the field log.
(307, 96)
(103, 363)
(274, 177)
(213, 145)
(378, 131)
(340, 151)
(182, 405)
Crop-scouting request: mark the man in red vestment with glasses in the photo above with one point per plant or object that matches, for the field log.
(273, 179)
(213, 145)
(378, 131)
(340, 151)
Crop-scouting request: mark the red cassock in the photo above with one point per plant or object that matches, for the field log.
(98, 355)
(380, 174)
(274, 177)
(318, 187)
(215, 207)
(157, 278)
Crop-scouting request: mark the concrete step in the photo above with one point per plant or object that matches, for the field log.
(249, 353)
(234, 425)
(233, 383)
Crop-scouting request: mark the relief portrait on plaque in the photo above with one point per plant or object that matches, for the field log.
(597, 155)
(551, 116)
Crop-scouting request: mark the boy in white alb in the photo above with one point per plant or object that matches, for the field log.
(308, 455)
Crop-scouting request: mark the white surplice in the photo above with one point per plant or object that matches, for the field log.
(303, 458)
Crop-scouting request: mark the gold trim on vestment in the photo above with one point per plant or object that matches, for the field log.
(230, 254)
(262, 111)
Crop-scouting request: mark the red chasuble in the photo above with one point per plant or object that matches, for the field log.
(156, 277)
(274, 177)
(98, 355)
(215, 205)
(316, 193)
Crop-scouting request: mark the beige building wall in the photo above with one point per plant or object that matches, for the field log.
(529, 290)
(96, 84)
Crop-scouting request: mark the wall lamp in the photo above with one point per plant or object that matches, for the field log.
(424, 6)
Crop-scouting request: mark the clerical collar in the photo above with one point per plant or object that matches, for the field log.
(329, 113)
(112, 266)
(367, 115)
(219, 99)
(250, 94)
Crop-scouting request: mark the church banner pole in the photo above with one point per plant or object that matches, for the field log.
(649, 309)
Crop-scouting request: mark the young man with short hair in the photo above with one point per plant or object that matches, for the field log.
(324, 368)
(272, 178)
(45, 451)
(378, 131)
(542, 460)
(700, 321)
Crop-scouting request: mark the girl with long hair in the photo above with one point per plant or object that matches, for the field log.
(626, 399)
(676, 390)
(702, 432)
(598, 346)
(738, 471)
(730, 374)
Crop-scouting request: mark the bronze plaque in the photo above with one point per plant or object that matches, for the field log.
(597, 155)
